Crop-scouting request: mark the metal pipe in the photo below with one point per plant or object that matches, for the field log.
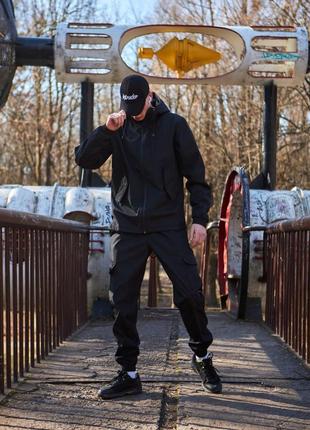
(250, 228)
(270, 135)
(86, 124)
(34, 51)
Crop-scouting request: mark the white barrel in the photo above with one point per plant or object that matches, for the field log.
(21, 199)
(240, 254)
(91, 205)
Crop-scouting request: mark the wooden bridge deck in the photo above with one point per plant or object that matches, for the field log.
(265, 386)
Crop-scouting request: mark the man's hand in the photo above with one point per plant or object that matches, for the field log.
(197, 235)
(115, 120)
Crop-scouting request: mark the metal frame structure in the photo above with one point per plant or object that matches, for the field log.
(91, 53)
(265, 54)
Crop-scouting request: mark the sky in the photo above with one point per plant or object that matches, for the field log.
(140, 7)
(129, 11)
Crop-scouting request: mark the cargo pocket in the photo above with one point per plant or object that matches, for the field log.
(112, 268)
(189, 258)
(122, 190)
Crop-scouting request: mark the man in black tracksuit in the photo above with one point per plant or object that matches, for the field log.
(152, 151)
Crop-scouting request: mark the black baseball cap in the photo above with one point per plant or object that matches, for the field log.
(134, 90)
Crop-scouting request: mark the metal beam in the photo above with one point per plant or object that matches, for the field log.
(270, 136)
(34, 51)
(86, 124)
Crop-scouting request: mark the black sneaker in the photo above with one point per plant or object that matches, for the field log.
(121, 385)
(210, 379)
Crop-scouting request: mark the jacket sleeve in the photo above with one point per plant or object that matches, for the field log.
(96, 148)
(192, 167)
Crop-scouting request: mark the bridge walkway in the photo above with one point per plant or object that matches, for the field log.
(265, 386)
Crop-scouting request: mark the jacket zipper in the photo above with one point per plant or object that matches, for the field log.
(144, 191)
(144, 207)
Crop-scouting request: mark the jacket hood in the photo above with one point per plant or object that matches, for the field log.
(158, 105)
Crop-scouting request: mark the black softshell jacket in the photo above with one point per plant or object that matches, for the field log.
(150, 158)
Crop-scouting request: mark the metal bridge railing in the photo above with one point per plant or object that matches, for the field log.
(43, 296)
(287, 268)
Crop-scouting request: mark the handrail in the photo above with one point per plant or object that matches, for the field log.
(296, 224)
(10, 217)
(43, 294)
(249, 228)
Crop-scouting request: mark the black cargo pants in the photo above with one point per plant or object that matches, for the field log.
(129, 255)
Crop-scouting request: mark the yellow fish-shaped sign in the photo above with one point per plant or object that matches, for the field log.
(182, 55)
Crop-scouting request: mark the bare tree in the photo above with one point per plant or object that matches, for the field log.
(40, 123)
(40, 120)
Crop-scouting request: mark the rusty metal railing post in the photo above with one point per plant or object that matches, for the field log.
(32, 296)
(20, 257)
(7, 307)
(1, 315)
(14, 288)
(27, 296)
(37, 295)
(58, 283)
